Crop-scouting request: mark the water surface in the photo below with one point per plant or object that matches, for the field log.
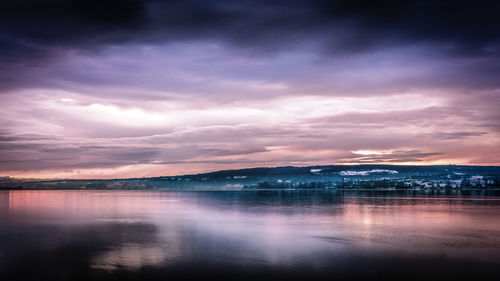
(148, 235)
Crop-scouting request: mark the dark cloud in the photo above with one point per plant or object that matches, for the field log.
(455, 135)
(33, 26)
(36, 33)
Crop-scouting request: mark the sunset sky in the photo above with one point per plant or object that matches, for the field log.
(131, 88)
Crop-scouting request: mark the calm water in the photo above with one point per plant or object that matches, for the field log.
(142, 235)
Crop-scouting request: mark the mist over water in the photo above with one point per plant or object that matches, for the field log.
(145, 235)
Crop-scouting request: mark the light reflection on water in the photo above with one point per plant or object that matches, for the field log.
(136, 229)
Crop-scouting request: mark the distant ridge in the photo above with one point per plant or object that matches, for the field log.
(332, 168)
(368, 176)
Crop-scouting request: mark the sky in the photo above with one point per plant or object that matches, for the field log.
(139, 88)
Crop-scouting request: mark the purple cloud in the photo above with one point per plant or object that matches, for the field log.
(142, 90)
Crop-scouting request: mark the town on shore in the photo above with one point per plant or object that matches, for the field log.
(331, 177)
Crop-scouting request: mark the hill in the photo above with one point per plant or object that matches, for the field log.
(373, 177)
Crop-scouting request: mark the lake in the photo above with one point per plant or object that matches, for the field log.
(247, 235)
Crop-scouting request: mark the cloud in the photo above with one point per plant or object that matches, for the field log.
(388, 118)
(52, 131)
(348, 24)
(455, 135)
(398, 156)
(42, 30)
(150, 87)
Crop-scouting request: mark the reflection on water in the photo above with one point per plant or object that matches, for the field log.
(101, 234)
(130, 255)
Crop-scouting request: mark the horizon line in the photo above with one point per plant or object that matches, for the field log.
(257, 167)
